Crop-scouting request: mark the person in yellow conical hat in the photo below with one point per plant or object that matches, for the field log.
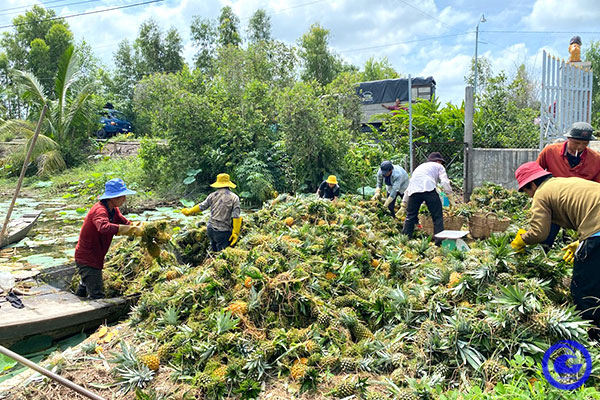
(224, 225)
(329, 188)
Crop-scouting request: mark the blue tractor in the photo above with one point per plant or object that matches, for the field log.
(113, 122)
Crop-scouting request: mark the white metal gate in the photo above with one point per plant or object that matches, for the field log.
(566, 97)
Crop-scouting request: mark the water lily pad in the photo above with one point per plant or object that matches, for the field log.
(43, 184)
(81, 210)
(45, 260)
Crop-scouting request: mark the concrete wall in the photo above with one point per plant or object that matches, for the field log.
(499, 165)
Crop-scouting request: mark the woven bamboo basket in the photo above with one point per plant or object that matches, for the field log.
(500, 224)
(481, 225)
(453, 223)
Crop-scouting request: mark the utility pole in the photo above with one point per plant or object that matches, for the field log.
(482, 19)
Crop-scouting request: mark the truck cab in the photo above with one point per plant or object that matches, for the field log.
(374, 94)
(113, 122)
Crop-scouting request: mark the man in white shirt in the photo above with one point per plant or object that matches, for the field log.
(422, 188)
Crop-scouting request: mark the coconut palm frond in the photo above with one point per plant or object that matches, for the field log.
(33, 87)
(17, 127)
(65, 76)
(42, 145)
(78, 107)
(50, 162)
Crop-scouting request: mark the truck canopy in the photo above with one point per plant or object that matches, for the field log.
(388, 90)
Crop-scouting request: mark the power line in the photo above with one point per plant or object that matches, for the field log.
(60, 5)
(542, 32)
(30, 5)
(287, 9)
(423, 12)
(407, 42)
(85, 13)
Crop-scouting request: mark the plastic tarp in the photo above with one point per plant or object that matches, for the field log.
(388, 90)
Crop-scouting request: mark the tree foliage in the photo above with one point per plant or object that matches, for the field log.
(259, 27)
(320, 64)
(229, 28)
(592, 54)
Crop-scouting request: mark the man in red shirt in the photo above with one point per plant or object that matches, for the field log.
(572, 158)
(103, 221)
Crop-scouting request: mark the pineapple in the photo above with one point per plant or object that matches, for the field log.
(167, 333)
(323, 319)
(406, 394)
(349, 300)
(330, 362)
(310, 346)
(538, 325)
(248, 282)
(376, 396)
(203, 380)
(493, 369)
(220, 373)
(151, 361)
(298, 370)
(455, 278)
(165, 351)
(398, 376)
(361, 332)
(504, 279)
(348, 364)
(238, 307)
(289, 221)
(348, 317)
(261, 261)
(268, 349)
(345, 389)
(441, 370)
(172, 274)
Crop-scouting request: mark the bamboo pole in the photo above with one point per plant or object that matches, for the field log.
(65, 382)
(20, 182)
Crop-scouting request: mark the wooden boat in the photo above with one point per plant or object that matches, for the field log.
(19, 228)
(52, 310)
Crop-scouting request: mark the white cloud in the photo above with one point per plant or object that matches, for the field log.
(560, 14)
(449, 75)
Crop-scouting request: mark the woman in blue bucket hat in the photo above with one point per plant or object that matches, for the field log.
(102, 222)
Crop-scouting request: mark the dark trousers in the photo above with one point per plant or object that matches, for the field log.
(91, 283)
(585, 285)
(218, 239)
(392, 206)
(432, 199)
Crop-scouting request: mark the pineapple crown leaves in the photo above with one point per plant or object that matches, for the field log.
(469, 354)
(132, 378)
(170, 316)
(127, 358)
(257, 365)
(566, 323)
(224, 322)
(516, 299)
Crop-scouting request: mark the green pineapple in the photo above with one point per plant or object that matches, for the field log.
(203, 380)
(441, 369)
(348, 364)
(165, 352)
(493, 369)
(330, 362)
(397, 360)
(311, 347)
(349, 300)
(398, 376)
(324, 319)
(361, 332)
(376, 396)
(345, 389)
(314, 359)
(504, 279)
(538, 325)
(397, 347)
(167, 333)
(348, 317)
(406, 394)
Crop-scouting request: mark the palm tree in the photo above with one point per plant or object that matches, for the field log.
(68, 112)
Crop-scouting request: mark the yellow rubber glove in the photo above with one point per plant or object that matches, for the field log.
(191, 211)
(570, 251)
(235, 232)
(130, 230)
(518, 244)
(388, 201)
(377, 194)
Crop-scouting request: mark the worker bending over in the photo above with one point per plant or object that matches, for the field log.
(396, 181)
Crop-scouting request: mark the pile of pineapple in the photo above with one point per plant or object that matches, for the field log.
(330, 296)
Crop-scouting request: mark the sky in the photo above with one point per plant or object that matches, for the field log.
(421, 38)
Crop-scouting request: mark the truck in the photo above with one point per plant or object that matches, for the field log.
(374, 94)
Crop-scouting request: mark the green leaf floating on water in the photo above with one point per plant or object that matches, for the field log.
(6, 363)
(187, 203)
(45, 260)
(81, 210)
(43, 184)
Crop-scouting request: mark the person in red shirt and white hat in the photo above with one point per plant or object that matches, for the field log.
(101, 224)
(571, 203)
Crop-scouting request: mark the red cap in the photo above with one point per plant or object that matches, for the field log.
(528, 172)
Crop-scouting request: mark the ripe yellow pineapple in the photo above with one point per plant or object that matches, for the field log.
(261, 261)
(322, 222)
(455, 278)
(172, 274)
(289, 221)
(151, 361)
(220, 373)
(238, 307)
(374, 263)
(298, 370)
(248, 282)
(330, 276)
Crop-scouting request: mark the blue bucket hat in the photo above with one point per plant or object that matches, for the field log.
(115, 188)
